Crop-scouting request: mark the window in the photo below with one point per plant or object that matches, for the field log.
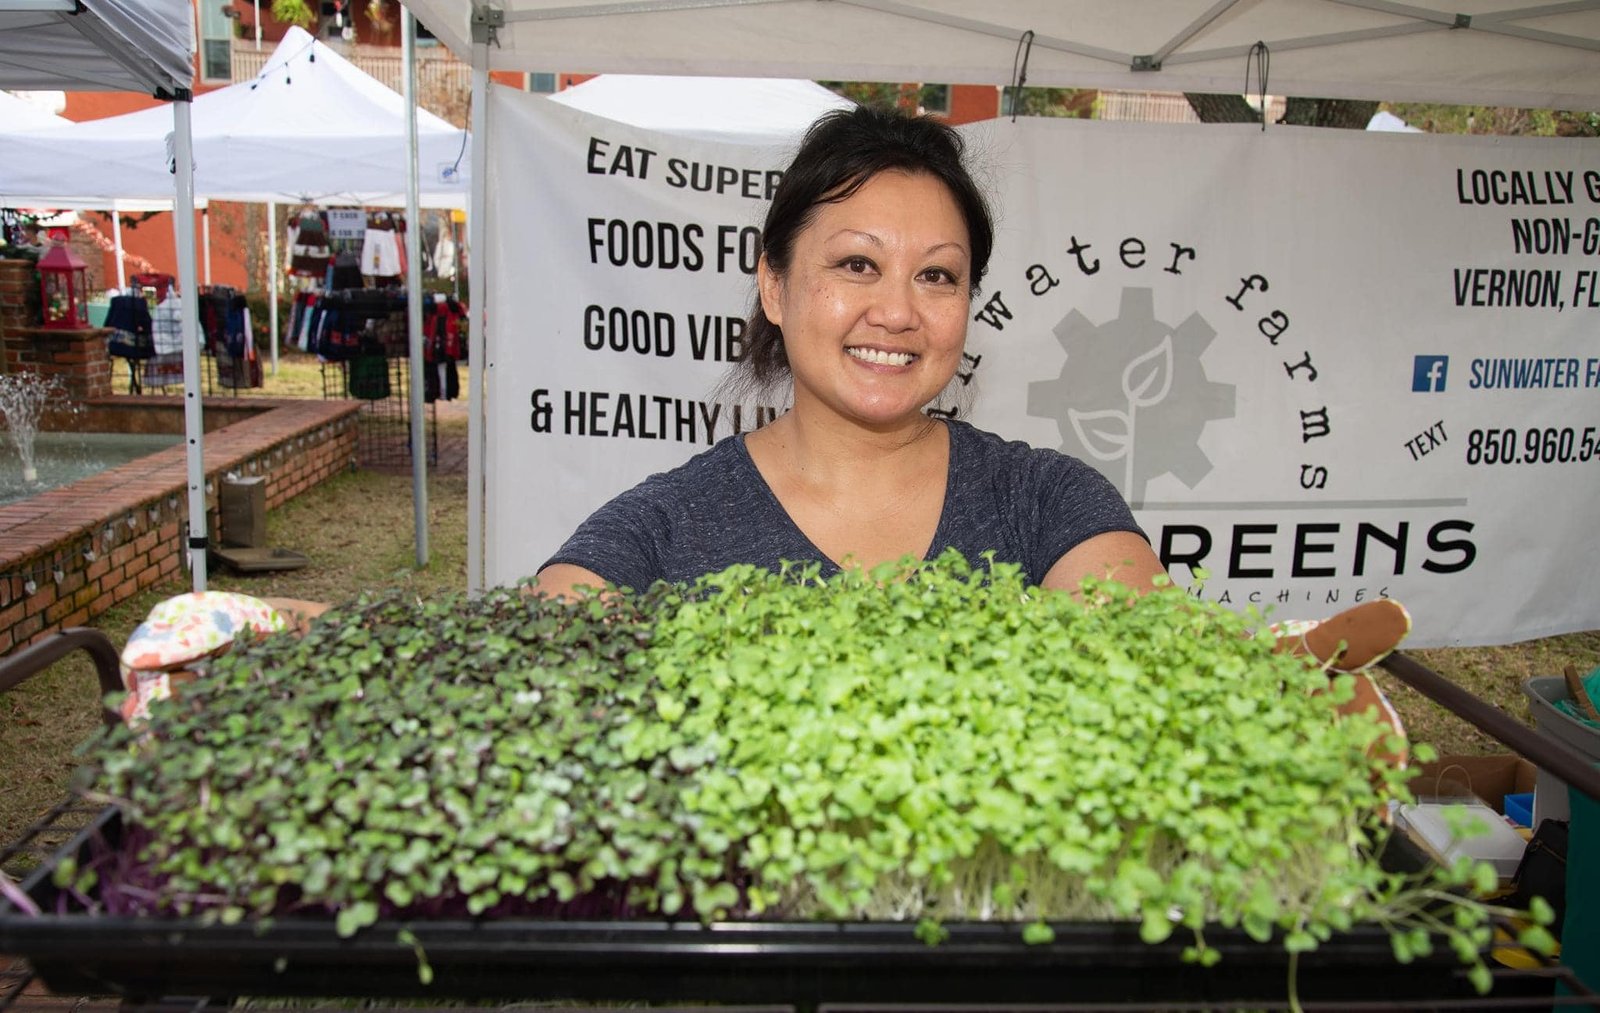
(544, 84)
(934, 98)
(216, 41)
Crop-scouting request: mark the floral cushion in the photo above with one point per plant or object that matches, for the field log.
(184, 629)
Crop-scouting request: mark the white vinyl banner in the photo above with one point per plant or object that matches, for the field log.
(1323, 366)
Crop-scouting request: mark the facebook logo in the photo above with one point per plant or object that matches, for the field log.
(1428, 373)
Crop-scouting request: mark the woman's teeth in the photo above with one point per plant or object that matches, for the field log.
(879, 357)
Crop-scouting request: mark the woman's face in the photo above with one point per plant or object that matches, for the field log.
(874, 305)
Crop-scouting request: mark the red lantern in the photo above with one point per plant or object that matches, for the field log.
(63, 285)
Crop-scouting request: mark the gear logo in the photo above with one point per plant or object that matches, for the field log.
(1133, 396)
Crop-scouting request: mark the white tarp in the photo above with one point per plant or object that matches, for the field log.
(1324, 366)
(1487, 52)
(311, 127)
(737, 110)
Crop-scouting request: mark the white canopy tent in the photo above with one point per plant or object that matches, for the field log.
(1491, 52)
(127, 45)
(1488, 52)
(748, 110)
(20, 114)
(310, 128)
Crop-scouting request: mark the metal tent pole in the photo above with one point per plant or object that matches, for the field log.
(116, 241)
(272, 279)
(193, 424)
(478, 366)
(419, 456)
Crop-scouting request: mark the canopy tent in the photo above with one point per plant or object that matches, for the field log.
(311, 127)
(1492, 52)
(20, 114)
(1487, 52)
(127, 45)
(744, 110)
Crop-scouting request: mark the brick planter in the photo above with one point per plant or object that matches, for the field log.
(79, 359)
(69, 554)
(19, 299)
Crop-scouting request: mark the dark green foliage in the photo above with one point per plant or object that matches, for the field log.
(415, 758)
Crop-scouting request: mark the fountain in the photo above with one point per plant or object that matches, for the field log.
(23, 400)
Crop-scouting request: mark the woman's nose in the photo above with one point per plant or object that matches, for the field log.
(894, 306)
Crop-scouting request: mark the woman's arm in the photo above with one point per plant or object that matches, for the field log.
(1122, 556)
(561, 580)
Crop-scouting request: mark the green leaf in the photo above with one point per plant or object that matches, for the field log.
(1038, 933)
(1156, 926)
(355, 917)
(1538, 939)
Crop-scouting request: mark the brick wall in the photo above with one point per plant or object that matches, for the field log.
(79, 359)
(69, 554)
(19, 299)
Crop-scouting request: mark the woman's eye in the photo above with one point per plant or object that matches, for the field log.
(939, 276)
(856, 265)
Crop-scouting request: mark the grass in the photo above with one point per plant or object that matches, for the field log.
(358, 531)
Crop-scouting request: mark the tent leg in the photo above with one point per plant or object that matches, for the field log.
(193, 424)
(477, 399)
(419, 456)
(116, 242)
(272, 278)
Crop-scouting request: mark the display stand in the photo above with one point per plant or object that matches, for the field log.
(383, 428)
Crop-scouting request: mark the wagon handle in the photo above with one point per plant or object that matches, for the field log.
(35, 658)
(1556, 757)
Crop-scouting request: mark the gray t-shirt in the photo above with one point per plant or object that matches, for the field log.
(1028, 505)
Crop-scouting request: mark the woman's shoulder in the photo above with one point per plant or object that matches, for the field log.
(981, 445)
(724, 461)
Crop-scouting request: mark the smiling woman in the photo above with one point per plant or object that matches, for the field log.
(872, 251)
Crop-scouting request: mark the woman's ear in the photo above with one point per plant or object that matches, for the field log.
(770, 287)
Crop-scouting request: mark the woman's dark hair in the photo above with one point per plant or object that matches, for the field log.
(841, 152)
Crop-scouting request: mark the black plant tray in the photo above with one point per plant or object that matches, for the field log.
(799, 964)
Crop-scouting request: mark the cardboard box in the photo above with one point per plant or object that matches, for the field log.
(1490, 778)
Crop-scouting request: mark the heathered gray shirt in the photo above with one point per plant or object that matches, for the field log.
(1030, 506)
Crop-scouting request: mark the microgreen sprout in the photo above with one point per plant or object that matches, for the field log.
(921, 742)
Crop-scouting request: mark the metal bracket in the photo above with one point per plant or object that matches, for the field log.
(486, 25)
(1463, 21)
(1144, 63)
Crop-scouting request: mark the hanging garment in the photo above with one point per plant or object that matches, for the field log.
(380, 254)
(166, 325)
(345, 271)
(309, 252)
(128, 316)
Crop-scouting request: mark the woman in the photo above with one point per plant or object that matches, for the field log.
(873, 249)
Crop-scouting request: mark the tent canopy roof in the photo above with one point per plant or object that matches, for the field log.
(310, 127)
(97, 45)
(1491, 52)
(739, 110)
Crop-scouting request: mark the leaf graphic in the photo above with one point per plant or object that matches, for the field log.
(1103, 434)
(1153, 368)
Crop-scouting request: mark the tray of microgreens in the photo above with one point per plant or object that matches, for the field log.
(876, 780)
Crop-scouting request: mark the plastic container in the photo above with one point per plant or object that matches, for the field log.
(1549, 792)
(1519, 808)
